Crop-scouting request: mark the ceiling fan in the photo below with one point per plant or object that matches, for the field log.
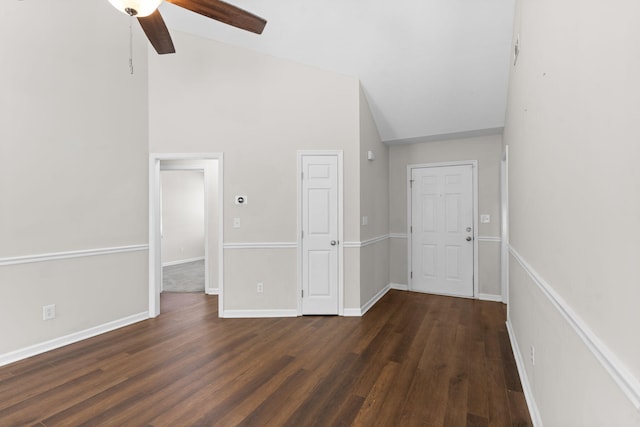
(156, 30)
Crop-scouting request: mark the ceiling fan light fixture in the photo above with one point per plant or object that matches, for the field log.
(137, 8)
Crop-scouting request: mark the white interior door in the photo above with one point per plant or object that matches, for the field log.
(442, 246)
(320, 242)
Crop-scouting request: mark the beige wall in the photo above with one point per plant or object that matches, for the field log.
(182, 215)
(73, 168)
(487, 150)
(374, 202)
(573, 191)
(259, 111)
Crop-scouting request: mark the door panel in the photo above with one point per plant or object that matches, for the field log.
(442, 220)
(319, 230)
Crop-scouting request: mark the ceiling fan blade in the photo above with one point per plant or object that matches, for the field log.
(157, 33)
(224, 12)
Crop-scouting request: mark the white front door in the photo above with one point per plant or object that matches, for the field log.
(320, 234)
(442, 215)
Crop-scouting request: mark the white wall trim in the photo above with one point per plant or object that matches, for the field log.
(367, 242)
(182, 261)
(367, 306)
(526, 386)
(71, 254)
(352, 312)
(607, 358)
(213, 291)
(352, 244)
(490, 297)
(489, 239)
(261, 245)
(246, 314)
(43, 347)
(374, 240)
(398, 235)
(399, 286)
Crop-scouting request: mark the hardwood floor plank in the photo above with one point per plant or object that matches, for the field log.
(373, 405)
(413, 360)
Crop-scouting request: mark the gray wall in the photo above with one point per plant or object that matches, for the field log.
(182, 215)
(374, 202)
(487, 150)
(73, 169)
(572, 131)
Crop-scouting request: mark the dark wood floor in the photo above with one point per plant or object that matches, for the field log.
(413, 360)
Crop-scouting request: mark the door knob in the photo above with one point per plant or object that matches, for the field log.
(468, 238)
(333, 243)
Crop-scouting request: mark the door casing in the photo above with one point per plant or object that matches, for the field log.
(339, 155)
(474, 174)
(155, 261)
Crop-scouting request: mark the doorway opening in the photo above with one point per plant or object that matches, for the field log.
(182, 229)
(185, 225)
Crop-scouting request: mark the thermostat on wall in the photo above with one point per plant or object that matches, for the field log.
(241, 200)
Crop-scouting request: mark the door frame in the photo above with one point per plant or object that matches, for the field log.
(474, 186)
(340, 182)
(504, 226)
(155, 259)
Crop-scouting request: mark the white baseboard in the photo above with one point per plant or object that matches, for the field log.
(526, 387)
(243, 314)
(213, 291)
(35, 349)
(375, 299)
(357, 312)
(182, 261)
(399, 287)
(490, 297)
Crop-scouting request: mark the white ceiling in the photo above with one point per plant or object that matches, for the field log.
(428, 67)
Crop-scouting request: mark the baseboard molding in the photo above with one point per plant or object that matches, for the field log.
(607, 358)
(399, 287)
(182, 261)
(33, 350)
(71, 254)
(490, 297)
(375, 299)
(244, 314)
(352, 312)
(213, 291)
(526, 386)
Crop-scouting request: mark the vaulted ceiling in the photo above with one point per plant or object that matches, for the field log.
(428, 67)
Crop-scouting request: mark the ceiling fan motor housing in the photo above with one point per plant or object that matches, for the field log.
(138, 8)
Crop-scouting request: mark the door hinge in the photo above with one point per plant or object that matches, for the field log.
(302, 175)
(411, 183)
(410, 229)
(411, 275)
(302, 234)
(302, 293)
